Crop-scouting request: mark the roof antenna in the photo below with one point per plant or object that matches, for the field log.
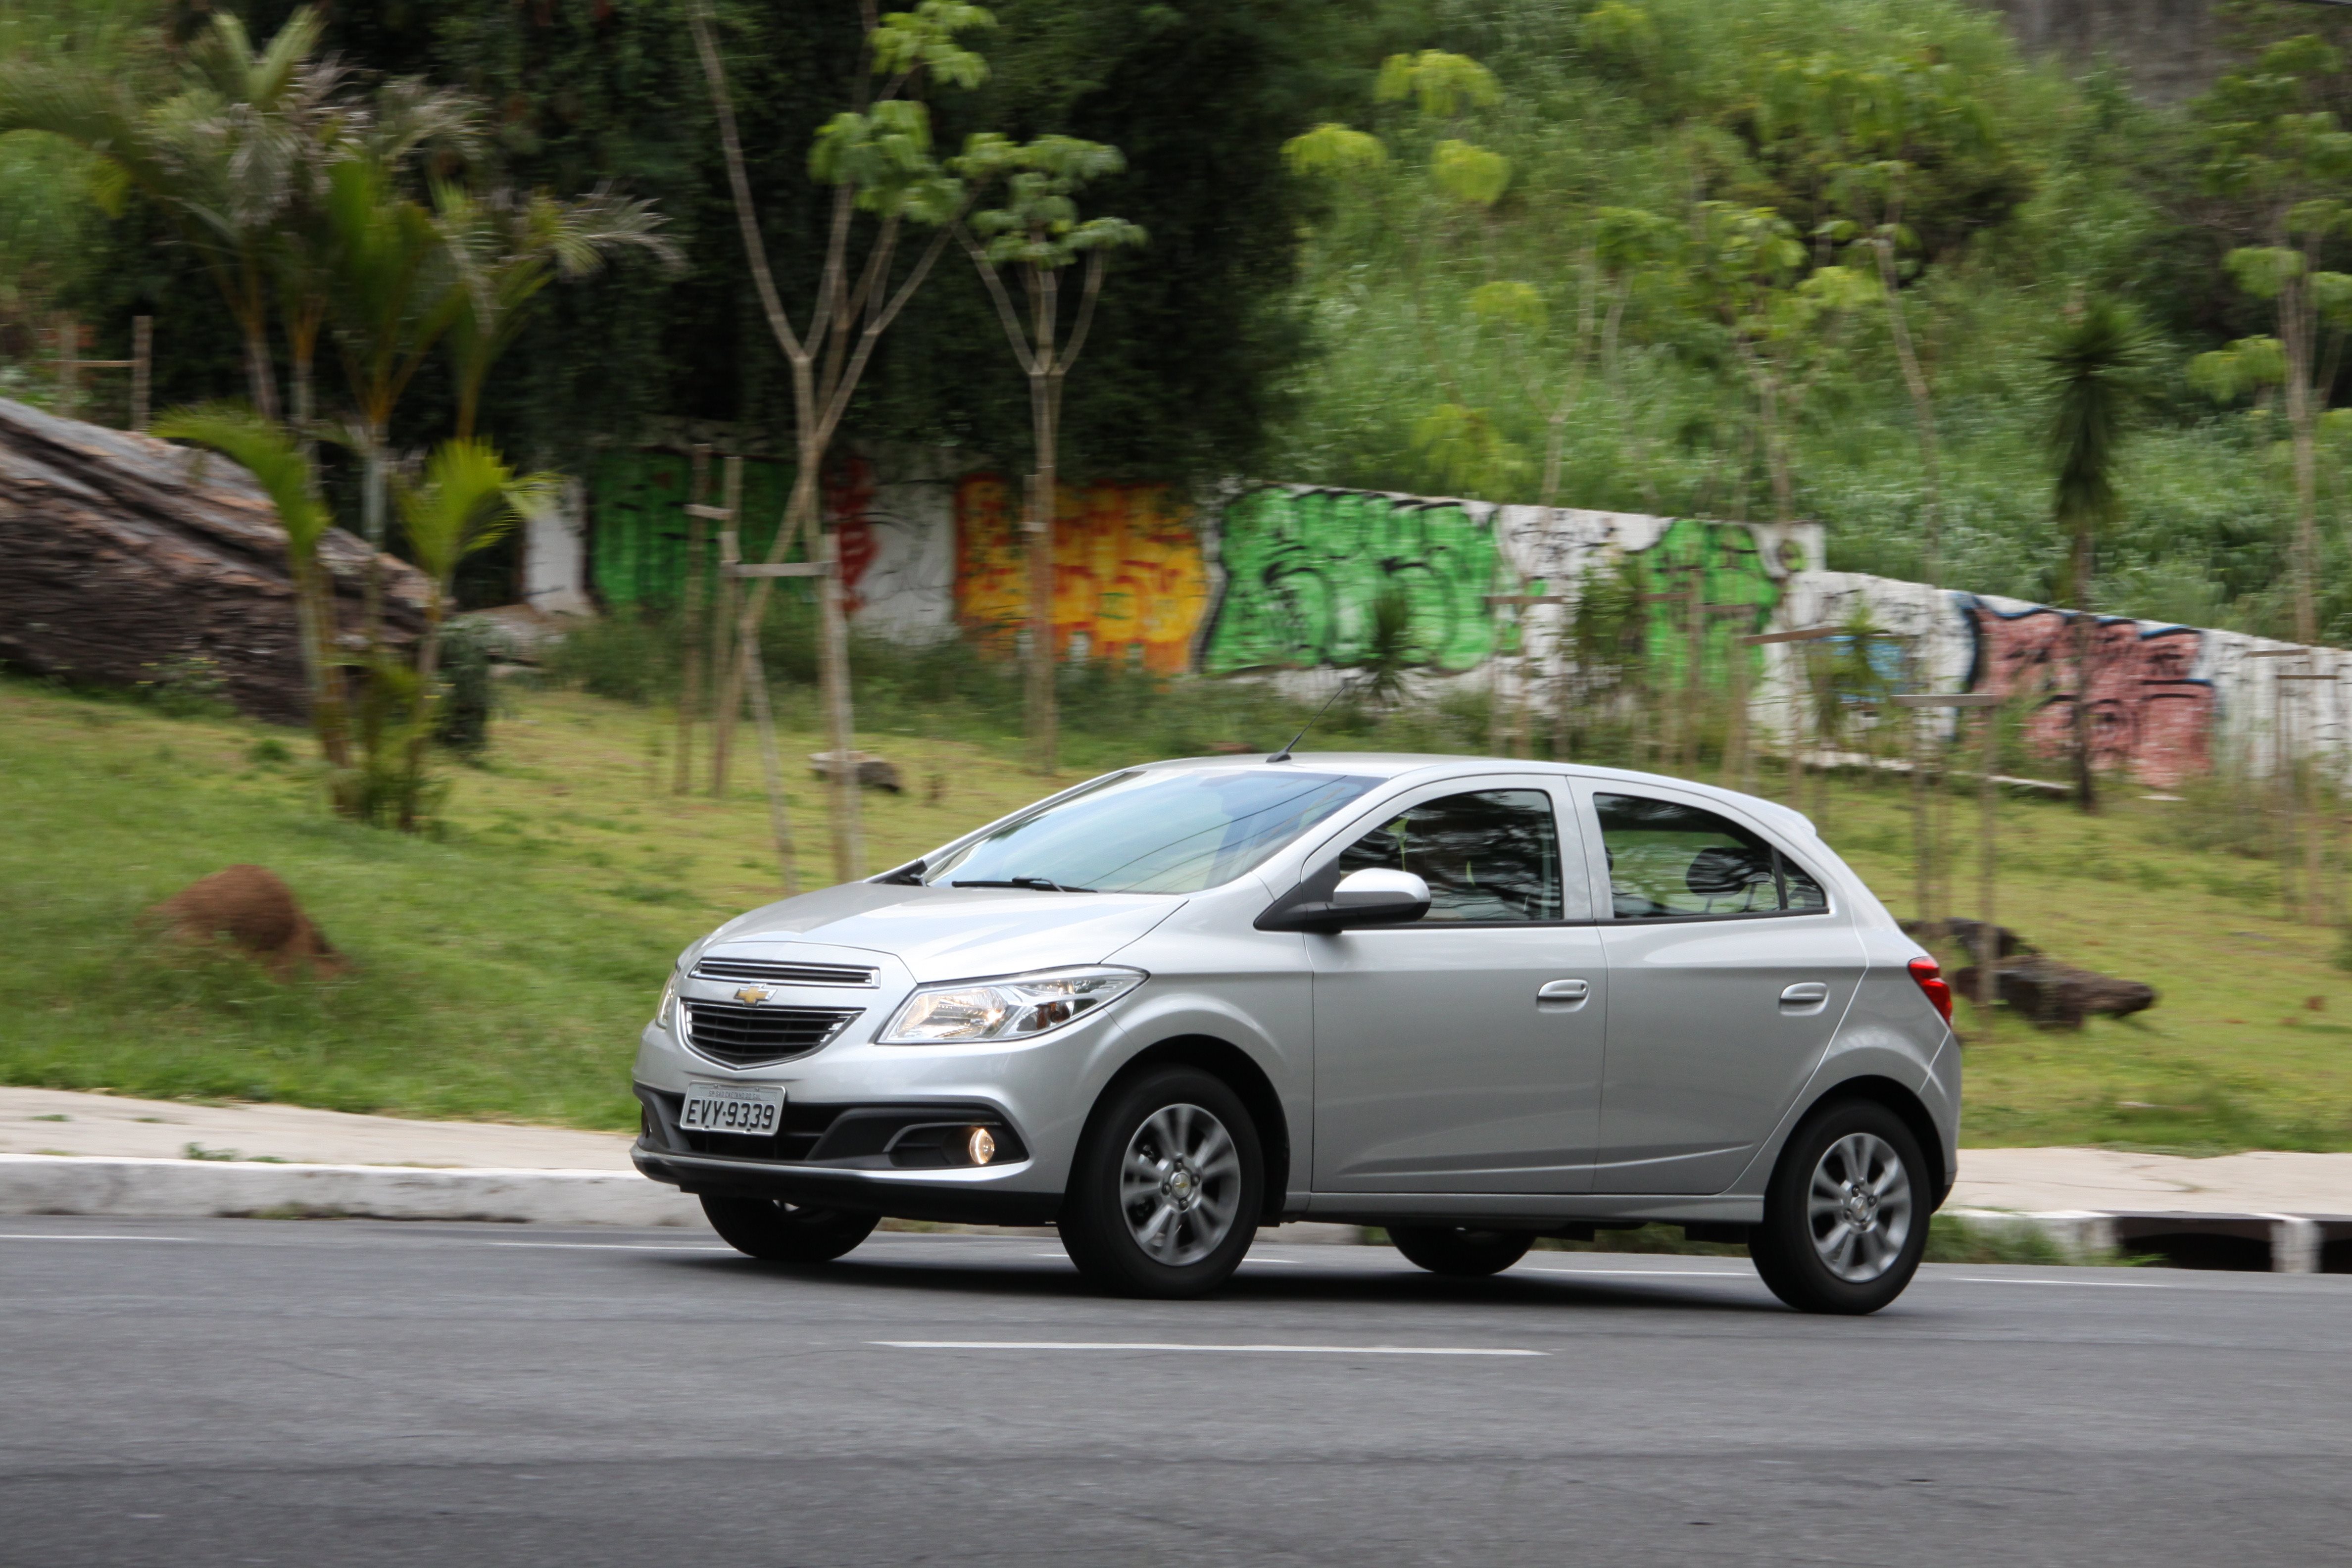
(1283, 755)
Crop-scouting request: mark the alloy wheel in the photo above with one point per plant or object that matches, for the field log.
(1179, 1185)
(1859, 1207)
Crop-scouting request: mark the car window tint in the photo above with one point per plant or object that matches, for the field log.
(1800, 890)
(1491, 855)
(1666, 859)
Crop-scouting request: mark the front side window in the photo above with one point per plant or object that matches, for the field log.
(1667, 859)
(1151, 832)
(1491, 855)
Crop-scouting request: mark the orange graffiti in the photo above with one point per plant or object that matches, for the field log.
(1129, 576)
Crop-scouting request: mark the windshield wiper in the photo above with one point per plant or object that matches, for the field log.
(1035, 884)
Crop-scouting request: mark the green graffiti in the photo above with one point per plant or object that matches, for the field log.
(639, 538)
(1737, 595)
(1303, 569)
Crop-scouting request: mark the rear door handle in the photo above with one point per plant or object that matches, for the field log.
(1805, 994)
(1563, 991)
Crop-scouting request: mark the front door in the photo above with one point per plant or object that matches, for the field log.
(1463, 1053)
(1728, 971)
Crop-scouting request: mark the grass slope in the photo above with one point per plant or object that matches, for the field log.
(504, 967)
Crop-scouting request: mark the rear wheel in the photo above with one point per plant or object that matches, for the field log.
(1845, 1219)
(786, 1232)
(1168, 1187)
(1464, 1254)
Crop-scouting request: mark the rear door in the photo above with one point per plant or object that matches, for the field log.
(1729, 968)
(1463, 1053)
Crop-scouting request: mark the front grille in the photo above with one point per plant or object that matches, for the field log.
(753, 1037)
(776, 974)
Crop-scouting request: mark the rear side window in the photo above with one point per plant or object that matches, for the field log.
(1490, 854)
(1669, 861)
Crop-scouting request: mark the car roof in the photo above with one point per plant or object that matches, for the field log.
(1396, 765)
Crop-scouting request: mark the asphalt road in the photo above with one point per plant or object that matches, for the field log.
(316, 1395)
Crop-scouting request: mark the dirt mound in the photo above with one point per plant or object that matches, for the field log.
(252, 910)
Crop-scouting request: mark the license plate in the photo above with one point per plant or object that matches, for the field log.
(752, 1109)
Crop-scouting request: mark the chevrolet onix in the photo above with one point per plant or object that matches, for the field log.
(1475, 1001)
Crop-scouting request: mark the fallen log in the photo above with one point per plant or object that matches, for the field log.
(125, 559)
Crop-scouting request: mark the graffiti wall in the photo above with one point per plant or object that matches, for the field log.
(1290, 577)
(1303, 569)
(1131, 578)
(894, 535)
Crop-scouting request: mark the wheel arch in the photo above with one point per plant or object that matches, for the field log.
(1906, 1106)
(1235, 1067)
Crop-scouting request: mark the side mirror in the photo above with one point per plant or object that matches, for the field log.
(1370, 897)
(1381, 897)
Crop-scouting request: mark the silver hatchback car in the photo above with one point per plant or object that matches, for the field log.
(1473, 1001)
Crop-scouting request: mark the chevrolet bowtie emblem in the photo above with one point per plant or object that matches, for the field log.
(752, 995)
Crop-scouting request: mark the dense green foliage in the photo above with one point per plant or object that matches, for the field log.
(1193, 336)
(1632, 225)
(2027, 195)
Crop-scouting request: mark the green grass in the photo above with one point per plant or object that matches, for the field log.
(504, 967)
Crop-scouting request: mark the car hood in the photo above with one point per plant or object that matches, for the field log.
(955, 933)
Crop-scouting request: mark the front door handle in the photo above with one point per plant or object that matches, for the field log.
(1563, 991)
(1805, 994)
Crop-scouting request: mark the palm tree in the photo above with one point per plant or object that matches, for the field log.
(391, 292)
(221, 155)
(469, 498)
(286, 475)
(2098, 373)
(505, 248)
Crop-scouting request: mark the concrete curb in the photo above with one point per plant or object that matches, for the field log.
(197, 1189)
(192, 1189)
(2294, 1244)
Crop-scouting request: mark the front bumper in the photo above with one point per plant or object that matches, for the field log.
(889, 1159)
(893, 1198)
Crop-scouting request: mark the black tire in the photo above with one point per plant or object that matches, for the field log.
(1199, 1228)
(1461, 1254)
(786, 1232)
(1796, 1248)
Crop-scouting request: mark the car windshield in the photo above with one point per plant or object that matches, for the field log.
(1151, 832)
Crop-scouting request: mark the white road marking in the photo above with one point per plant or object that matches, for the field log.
(47, 1236)
(2079, 1284)
(1161, 1345)
(606, 1246)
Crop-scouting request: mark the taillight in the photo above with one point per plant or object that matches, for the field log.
(1929, 976)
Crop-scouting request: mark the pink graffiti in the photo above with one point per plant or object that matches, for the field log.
(2147, 715)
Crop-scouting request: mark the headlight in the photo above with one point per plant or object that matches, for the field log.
(1018, 1008)
(666, 1012)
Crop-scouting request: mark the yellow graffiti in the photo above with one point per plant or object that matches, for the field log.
(1129, 576)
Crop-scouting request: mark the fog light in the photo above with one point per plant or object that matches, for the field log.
(980, 1144)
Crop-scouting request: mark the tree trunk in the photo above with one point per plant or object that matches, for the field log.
(1044, 495)
(2085, 787)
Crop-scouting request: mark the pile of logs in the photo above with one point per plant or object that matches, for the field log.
(2052, 994)
(124, 559)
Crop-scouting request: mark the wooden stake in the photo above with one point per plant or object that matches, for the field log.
(724, 633)
(69, 397)
(780, 827)
(142, 366)
(690, 621)
(1988, 864)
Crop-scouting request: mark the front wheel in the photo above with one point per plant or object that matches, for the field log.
(786, 1232)
(1845, 1219)
(1462, 1254)
(1168, 1187)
